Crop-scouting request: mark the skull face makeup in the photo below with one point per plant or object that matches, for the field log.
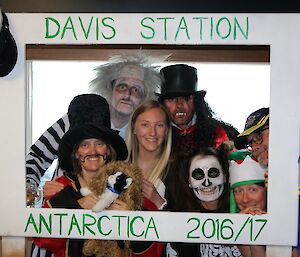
(206, 178)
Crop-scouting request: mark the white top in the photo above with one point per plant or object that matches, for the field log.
(123, 131)
(161, 189)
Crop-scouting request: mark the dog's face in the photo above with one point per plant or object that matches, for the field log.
(132, 196)
(119, 181)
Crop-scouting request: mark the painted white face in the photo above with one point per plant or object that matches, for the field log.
(206, 178)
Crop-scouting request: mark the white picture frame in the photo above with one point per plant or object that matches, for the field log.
(280, 31)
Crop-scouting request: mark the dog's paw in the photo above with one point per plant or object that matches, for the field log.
(98, 207)
(85, 191)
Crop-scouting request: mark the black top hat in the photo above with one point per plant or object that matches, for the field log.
(8, 47)
(89, 108)
(77, 134)
(179, 80)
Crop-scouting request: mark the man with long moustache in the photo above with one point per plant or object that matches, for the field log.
(191, 116)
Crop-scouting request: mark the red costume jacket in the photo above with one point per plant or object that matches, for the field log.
(58, 246)
(148, 249)
(184, 140)
(55, 245)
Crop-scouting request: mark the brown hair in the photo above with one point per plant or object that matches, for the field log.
(181, 196)
(112, 156)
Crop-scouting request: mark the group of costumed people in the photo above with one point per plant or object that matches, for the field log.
(185, 155)
(179, 157)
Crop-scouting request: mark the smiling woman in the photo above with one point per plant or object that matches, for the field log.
(200, 184)
(248, 192)
(149, 142)
(149, 146)
(82, 152)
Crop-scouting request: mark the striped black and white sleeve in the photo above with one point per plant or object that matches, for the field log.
(44, 151)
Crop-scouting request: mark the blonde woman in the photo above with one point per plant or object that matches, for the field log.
(149, 147)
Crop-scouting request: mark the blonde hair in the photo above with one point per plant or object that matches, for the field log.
(159, 170)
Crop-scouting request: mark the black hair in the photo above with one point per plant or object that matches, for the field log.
(206, 124)
(180, 196)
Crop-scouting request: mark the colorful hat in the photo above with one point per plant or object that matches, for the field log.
(255, 121)
(8, 47)
(179, 80)
(243, 170)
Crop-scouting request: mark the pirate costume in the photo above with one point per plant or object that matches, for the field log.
(69, 196)
(85, 108)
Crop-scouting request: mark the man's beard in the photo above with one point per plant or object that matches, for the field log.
(262, 156)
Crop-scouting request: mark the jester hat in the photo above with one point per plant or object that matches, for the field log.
(244, 169)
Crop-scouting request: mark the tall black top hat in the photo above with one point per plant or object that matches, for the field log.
(89, 108)
(8, 47)
(89, 118)
(179, 80)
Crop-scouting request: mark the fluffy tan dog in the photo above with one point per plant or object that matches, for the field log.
(132, 196)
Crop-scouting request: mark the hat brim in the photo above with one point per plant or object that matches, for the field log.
(256, 127)
(8, 51)
(170, 95)
(79, 133)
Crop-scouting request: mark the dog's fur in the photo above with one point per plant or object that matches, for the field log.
(132, 196)
(116, 184)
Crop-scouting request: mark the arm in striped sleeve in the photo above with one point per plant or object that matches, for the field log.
(44, 151)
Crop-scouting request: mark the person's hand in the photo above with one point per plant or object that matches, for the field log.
(149, 191)
(118, 205)
(253, 210)
(51, 188)
(88, 202)
(266, 180)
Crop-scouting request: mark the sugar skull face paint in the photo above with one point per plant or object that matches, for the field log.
(206, 178)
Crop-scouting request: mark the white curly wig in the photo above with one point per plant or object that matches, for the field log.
(108, 72)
